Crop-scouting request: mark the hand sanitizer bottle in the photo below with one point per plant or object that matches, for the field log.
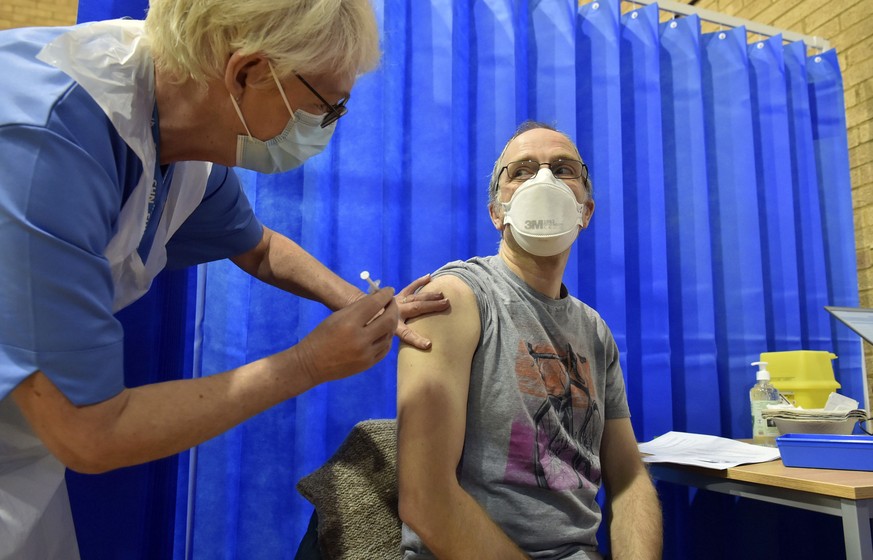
(762, 395)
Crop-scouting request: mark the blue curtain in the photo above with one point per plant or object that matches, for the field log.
(828, 118)
(723, 225)
(646, 246)
(694, 376)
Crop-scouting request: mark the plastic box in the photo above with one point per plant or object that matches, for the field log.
(826, 451)
(805, 377)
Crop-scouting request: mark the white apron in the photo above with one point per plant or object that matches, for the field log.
(112, 62)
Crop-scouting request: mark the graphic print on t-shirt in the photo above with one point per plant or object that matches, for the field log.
(551, 445)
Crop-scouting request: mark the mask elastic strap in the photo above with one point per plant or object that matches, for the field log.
(239, 113)
(281, 91)
(582, 210)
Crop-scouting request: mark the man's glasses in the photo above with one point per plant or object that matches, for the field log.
(521, 171)
(335, 112)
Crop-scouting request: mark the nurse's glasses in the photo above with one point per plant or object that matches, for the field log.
(335, 112)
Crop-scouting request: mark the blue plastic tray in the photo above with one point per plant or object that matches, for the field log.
(826, 451)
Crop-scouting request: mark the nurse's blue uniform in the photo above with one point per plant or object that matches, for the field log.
(87, 219)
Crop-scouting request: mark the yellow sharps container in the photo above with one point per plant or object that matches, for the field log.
(805, 377)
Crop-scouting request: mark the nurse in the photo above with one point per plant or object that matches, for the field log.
(116, 140)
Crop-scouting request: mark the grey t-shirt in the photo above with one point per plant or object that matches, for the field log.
(544, 378)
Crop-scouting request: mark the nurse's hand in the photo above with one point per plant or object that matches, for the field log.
(350, 340)
(412, 304)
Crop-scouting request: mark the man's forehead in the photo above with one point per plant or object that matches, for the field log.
(541, 140)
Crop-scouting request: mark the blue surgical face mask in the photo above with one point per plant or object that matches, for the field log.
(301, 139)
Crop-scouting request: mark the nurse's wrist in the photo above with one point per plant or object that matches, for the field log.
(353, 297)
(301, 370)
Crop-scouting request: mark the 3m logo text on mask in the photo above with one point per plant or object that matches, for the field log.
(542, 224)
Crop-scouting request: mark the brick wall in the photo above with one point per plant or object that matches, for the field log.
(26, 13)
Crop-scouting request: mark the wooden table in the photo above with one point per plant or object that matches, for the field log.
(847, 494)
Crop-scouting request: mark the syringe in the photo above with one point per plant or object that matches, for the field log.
(374, 286)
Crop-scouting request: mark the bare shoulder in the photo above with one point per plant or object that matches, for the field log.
(449, 284)
(457, 324)
(460, 296)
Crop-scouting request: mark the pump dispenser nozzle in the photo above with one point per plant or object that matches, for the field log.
(762, 371)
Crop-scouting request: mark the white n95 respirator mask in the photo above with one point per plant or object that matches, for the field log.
(544, 215)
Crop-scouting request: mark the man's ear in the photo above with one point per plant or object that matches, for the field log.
(587, 212)
(244, 71)
(495, 210)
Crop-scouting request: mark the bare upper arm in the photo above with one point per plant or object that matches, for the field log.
(251, 260)
(432, 389)
(619, 455)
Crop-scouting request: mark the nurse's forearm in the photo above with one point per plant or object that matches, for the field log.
(154, 421)
(158, 420)
(279, 261)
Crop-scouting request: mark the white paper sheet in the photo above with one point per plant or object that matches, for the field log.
(704, 451)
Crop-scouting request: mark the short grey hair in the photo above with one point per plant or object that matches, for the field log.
(193, 39)
(493, 186)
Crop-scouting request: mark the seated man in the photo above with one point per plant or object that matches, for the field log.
(508, 424)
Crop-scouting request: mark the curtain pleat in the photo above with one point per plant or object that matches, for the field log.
(429, 142)
(775, 194)
(736, 248)
(812, 279)
(648, 310)
(596, 273)
(496, 77)
(695, 388)
(835, 192)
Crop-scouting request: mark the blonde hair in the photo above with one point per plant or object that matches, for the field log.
(193, 39)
